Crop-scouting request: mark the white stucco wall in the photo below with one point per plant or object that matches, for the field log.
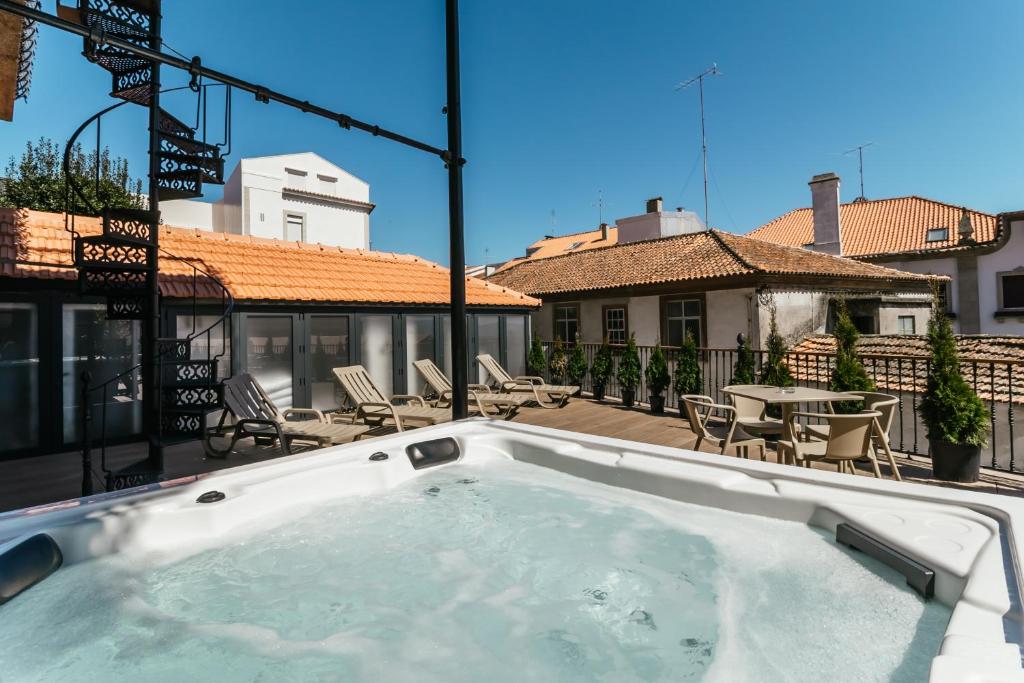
(187, 213)
(729, 313)
(1009, 258)
(798, 314)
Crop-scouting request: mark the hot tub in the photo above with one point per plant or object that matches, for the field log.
(495, 551)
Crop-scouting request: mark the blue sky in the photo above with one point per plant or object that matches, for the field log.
(566, 99)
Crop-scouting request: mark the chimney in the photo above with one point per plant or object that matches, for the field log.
(654, 205)
(828, 236)
(604, 232)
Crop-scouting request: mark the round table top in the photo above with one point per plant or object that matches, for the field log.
(792, 394)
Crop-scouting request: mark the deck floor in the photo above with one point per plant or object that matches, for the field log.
(44, 479)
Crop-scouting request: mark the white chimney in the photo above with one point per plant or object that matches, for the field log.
(828, 235)
(656, 223)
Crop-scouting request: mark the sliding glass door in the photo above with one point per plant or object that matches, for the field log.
(327, 348)
(269, 342)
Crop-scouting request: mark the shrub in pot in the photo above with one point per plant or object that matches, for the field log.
(537, 360)
(743, 369)
(577, 367)
(848, 374)
(775, 371)
(953, 415)
(601, 370)
(559, 363)
(628, 372)
(658, 379)
(687, 378)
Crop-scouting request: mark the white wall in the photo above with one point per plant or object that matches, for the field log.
(939, 266)
(186, 213)
(1010, 257)
(798, 314)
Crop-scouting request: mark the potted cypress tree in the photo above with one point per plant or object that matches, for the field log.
(776, 370)
(537, 360)
(577, 368)
(849, 373)
(601, 370)
(687, 378)
(953, 415)
(559, 362)
(628, 373)
(743, 369)
(658, 379)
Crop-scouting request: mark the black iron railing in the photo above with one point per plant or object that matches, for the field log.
(904, 377)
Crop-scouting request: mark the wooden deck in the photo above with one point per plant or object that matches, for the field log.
(44, 479)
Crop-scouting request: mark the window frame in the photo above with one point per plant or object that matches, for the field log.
(604, 322)
(667, 299)
(555, 331)
(286, 214)
(913, 324)
(1018, 272)
(928, 234)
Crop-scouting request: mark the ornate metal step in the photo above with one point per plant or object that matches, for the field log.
(178, 423)
(172, 125)
(99, 252)
(212, 167)
(113, 281)
(136, 474)
(190, 373)
(130, 226)
(173, 349)
(204, 398)
(124, 19)
(134, 86)
(126, 307)
(180, 185)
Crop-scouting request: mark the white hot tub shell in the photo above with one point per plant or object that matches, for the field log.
(971, 541)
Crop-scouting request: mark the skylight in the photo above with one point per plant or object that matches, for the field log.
(937, 234)
(573, 246)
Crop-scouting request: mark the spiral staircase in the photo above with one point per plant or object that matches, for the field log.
(121, 263)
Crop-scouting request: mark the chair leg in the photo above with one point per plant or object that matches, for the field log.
(874, 465)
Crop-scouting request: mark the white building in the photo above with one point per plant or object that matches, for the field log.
(298, 197)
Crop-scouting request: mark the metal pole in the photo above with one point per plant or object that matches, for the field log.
(704, 147)
(86, 378)
(860, 155)
(151, 324)
(457, 260)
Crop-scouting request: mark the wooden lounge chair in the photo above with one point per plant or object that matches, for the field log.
(481, 397)
(546, 395)
(724, 434)
(256, 415)
(373, 408)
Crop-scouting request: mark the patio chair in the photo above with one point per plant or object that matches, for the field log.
(256, 416)
(750, 413)
(724, 434)
(849, 439)
(884, 404)
(481, 397)
(373, 408)
(546, 395)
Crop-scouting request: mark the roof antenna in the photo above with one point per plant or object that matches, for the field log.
(600, 207)
(859, 149)
(699, 80)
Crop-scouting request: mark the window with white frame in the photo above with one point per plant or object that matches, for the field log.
(937, 234)
(294, 227)
(615, 328)
(295, 178)
(1011, 291)
(906, 324)
(682, 317)
(566, 322)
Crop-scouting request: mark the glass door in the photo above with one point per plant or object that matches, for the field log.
(19, 374)
(376, 350)
(488, 340)
(269, 343)
(420, 344)
(328, 347)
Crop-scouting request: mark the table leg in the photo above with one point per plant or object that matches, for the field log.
(787, 426)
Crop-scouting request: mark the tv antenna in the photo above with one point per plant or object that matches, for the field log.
(699, 80)
(600, 207)
(859, 149)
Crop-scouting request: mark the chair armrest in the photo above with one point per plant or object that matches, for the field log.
(478, 387)
(411, 398)
(304, 411)
(529, 379)
(343, 418)
(507, 386)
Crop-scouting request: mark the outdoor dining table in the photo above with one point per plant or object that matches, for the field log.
(789, 398)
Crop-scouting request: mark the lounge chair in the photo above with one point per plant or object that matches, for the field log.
(723, 434)
(373, 408)
(849, 439)
(546, 395)
(256, 415)
(481, 397)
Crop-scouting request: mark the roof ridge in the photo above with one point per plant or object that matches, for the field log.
(859, 202)
(732, 252)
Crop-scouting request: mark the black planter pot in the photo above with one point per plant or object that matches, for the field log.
(955, 462)
(657, 404)
(628, 397)
(598, 392)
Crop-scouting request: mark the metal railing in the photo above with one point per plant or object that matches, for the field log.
(905, 377)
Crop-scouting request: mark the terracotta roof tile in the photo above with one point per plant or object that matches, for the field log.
(697, 256)
(563, 244)
(882, 226)
(252, 268)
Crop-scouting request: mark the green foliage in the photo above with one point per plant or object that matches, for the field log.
(559, 362)
(36, 180)
(537, 360)
(577, 363)
(743, 370)
(775, 371)
(950, 409)
(657, 372)
(688, 378)
(629, 366)
(601, 370)
(849, 373)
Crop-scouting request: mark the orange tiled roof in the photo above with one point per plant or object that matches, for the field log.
(34, 244)
(881, 226)
(564, 244)
(706, 255)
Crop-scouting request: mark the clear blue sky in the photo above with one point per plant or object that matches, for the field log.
(568, 98)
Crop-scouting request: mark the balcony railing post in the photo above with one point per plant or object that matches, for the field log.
(1009, 409)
